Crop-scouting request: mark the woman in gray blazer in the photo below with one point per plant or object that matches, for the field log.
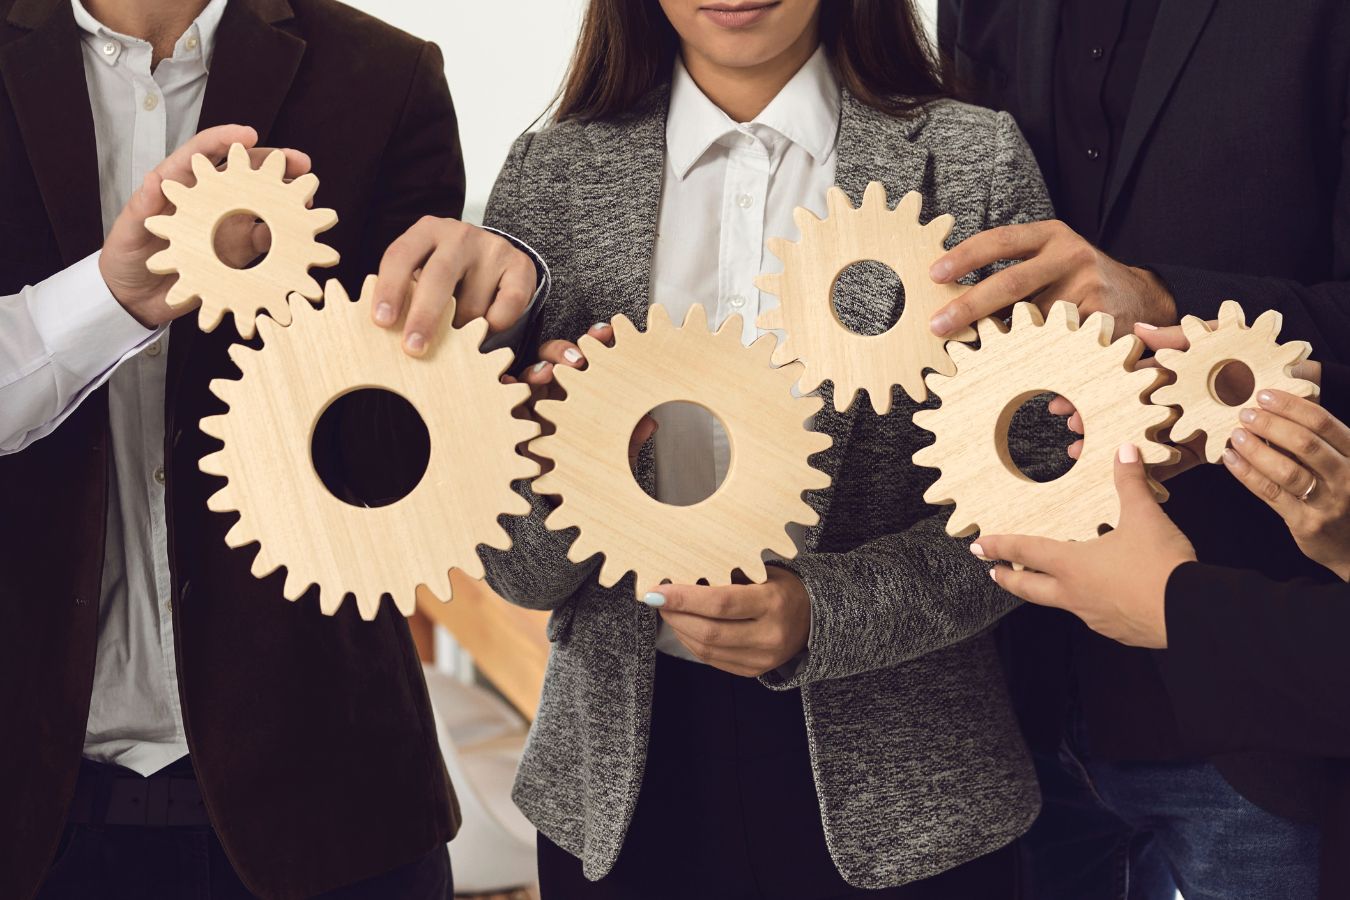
(844, 728)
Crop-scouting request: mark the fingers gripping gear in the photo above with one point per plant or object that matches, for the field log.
(828, 349)
(1197, 371)
(199, 211)
(1037, 356)
(770, 453)
(319, 539)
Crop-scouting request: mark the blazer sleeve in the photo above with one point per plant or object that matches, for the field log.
(915, 591)
(1255, 664)
(535, 572)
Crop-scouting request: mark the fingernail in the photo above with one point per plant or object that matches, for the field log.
(977, 549)
(415, 342)
(941, 323)
(1146, 326)
(539, 366)
(941, 271)
(993, 573)
(384, 314)
(653, 599)
(573, 355)
(598, 325)
(1230, 456)
(1240, 436)
(1265, 398)
(1248, 416)
(1128, 453)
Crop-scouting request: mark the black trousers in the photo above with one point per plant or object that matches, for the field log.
(728, 809)
(98, 861)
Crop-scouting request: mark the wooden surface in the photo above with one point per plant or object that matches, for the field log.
(1197, 370)
(1037, 356)
(508, 644)
(219, 194)
(816, 336)
(765, 426)
(273, 409)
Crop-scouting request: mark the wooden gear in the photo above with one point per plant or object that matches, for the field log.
(274, 407)
(829, 350)
(1039, 355)
(765, 423)
(1197, 371)
(218, 194)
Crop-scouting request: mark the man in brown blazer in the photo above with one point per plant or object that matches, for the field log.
(171, 726)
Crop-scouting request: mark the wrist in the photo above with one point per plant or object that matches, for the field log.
(1160, 307)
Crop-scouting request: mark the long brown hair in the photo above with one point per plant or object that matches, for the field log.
(627, 47)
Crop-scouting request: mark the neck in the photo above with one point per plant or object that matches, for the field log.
(743, 92)
(158, 22)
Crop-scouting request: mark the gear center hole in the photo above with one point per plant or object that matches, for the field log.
(695, 453)
(241, 240)
(370, 448)
(867, 297)
(1023, 442)
(1232, 382)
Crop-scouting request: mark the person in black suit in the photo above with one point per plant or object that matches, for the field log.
(1253, 663)
(1196, 152)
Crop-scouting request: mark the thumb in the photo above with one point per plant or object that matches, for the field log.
(1136, 494)
(1170, 337)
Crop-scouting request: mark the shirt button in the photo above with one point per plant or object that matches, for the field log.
(735, 301)
(1093, 153)
(110, 48)
(1096, 53)
(192, 42)
(745, 201)
(151, 101)
(153, 350)
(159, 475)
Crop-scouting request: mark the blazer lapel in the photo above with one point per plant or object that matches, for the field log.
(1175, 33)
(44, 78)
(1037, 29)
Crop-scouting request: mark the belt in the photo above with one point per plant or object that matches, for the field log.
(112, 795)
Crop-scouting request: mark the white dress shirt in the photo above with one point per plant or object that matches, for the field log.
(727, 187)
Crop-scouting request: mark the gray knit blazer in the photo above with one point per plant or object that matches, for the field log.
(917, 757)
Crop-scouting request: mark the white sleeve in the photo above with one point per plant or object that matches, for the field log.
(60, 340)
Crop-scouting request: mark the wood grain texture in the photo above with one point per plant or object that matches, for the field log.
(273, 409)
(217, 195)
(815, 335)
(1197, 371)
(765, 424)
(1038, 355)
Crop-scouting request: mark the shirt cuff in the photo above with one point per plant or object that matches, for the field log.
(85, 330)
(516, 335)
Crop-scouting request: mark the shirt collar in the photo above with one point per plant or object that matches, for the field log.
(805, 111)
(198, 39)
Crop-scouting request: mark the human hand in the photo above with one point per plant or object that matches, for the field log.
(239, 239)
(543, 386)
(1056, 264)
(437, 259)
(744, 629)
(1301, 468)
(1117, 583)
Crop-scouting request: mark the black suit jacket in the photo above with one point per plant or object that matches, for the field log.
(1232, 181)
(312, 736)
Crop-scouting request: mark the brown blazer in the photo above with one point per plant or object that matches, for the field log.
(312, 737)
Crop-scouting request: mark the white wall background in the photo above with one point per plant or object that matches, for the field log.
(504, 62)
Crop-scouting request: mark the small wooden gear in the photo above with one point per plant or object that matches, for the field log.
(1197, 371)
(765, 423)
(218, 194)
(282, 504)
(1039, 355)
(816, 336)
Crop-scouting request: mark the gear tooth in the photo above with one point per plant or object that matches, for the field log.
(213, 463)
(940, 227)
(162, 263)
(1268, 324)
(1101, 326)
(222, 501)
(1231, 314)
(404, 601)
(1195, 328)
(238, 535)
(1062, 315)
(160, 227)
(624, 328)
(805, 220)
(1025, 315)
(771, 319)
(910, 206)
(990, 329)
(474, 332)
(305, 186)
(181, 294)
(914, 390)
(730, 329)
(273, 165)
(959, 526)
(771, 283)
(215, 426)
(238, 158)
(927, 457)
(960, 355)
(202, 169)
(763, 347)
(1169, 359)
(241, 355)
(696, 317)
(754, 570)
(321, 219)
(177, 193)
(330, 599)
(843, 396)
(609, 574)
(1183, 430)
(780, 247)
(324, 257)
(334, 292)
(837, 202)
(308, 287)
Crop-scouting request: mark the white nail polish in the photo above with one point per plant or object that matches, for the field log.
(573, 355)
(977, 549)
(1146, 326)
(539, 366)
(598, 325)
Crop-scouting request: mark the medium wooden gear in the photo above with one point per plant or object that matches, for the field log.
(811, 266)
(274, 408)
(217, 195)
(1197, 371)
(1039, 355)
(765, 423)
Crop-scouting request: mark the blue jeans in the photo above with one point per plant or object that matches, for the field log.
(1141, 831)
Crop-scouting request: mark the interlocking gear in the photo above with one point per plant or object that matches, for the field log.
(217, 195)
(1039, 355)
(273, 409)
(765, 423)
(811, 266)
(1197, 371)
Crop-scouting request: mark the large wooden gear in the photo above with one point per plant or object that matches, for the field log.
(1197, 372)
(368, 552)
(816, 336)
(770, 451)
(1039, 355)
(217, 195)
